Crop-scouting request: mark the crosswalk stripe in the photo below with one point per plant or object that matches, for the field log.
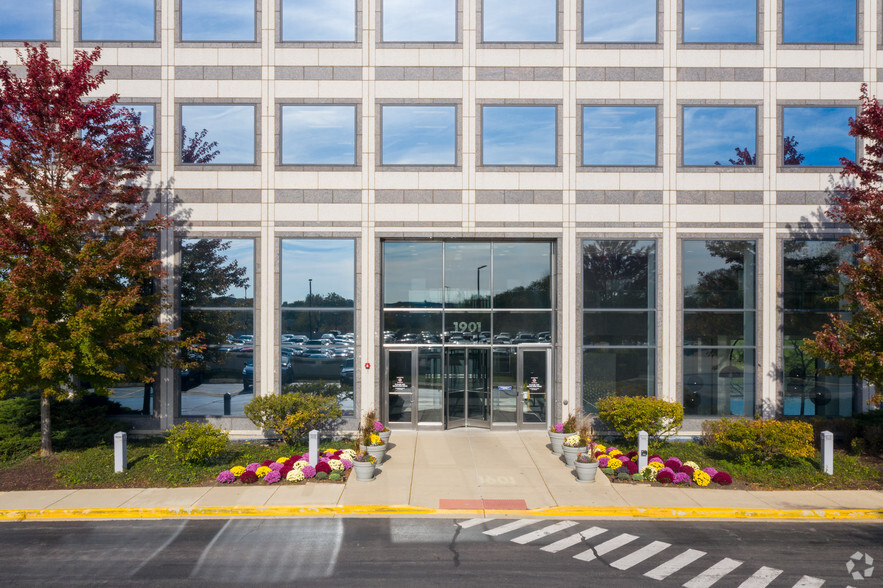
(663, 571)
(544, 532)
(473, 523)
(563, 544)
(513, 526)
(761, 578)
(809, 582)
(640, 555)
(714, 573)
(606, 547)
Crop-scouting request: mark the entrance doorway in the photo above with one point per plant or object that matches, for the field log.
(467, 389)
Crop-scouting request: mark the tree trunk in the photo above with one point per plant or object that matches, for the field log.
(145, 406)
(45, 426)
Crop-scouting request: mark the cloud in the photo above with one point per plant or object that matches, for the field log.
(822, 133)
(318, 20)
(29, 21)
(713, 21)
(231, 125)
(329, 262)
(318, 134)
(819, 21)
(218, 20)
(520, 21)
(420, 20)
(603, 22)
(519, 135)
(619, 135)
(712, 133)
(419, 135)
(118, 20)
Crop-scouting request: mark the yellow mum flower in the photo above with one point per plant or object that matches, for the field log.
(615, 452)
(263, 471)
(600, 448)
(614, 463)
(237, 470)
(375, 440)
(282, 460)
(656, 465)
(701, 478)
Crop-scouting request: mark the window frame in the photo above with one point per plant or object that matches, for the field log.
(859, 23)
(281, 104)
(179, 31)
(458, 139)
(56, 31)
(280, 32)
(154, 42)
(581, 33)
(156, 104)
(582, 166)
(756, 44)
(255, 165)
(456, 43)
(780, 135)
(479, 139)
(758, 136)
(556, 44)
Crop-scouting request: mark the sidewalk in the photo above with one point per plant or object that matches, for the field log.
(464, 472)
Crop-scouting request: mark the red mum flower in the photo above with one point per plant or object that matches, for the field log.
(267, 463)
(687, 470)
(323, 466)
(664, 477)
(722, 478)
(248, 478)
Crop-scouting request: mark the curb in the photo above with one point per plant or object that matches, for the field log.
(400, 510)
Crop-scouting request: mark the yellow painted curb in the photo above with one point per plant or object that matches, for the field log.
(657, 512)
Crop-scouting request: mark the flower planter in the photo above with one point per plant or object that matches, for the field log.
(364, 471)
(377, 452)
(384, 435)
(557, 439)
(585, 472)
(570, 454)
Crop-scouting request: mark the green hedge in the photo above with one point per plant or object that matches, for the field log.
(631, 414)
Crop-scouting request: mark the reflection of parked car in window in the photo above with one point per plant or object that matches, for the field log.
(347, 373)
(544, 337)
(525, 338)
(248, 375)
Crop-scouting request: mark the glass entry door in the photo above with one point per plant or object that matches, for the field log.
(533, 375)
(400, 385)
(467, 390)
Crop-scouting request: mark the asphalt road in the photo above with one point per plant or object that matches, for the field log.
(401, 552)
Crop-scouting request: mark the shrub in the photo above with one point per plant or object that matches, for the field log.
(197, 443)
(631, 414)
(760, 441)
(319, 387)
(292, 416)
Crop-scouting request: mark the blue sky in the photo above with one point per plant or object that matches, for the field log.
(318, 134)
(118, 20)
(516, 21)
(619, 135)
(329, 262)
(27, 21)
(217, 20)
(822, 133)
(713, 21)
(318, 20)
(518, 135)
(241, 251)
(420, 20)
(711, 133)
(603, 22)
(419, 135)
(819, 21)
(231, 125)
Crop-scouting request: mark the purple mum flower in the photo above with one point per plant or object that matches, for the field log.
(681, 478)
(324, 459)
(602, 461)
(347, 464)
(666, 469)
(673, 463)
(252, 467)
(276, 466)
(378, 426)
(710, 471)
(559, 428)
(226, 477)
(309, 471)
(657, 459)
(272, 477)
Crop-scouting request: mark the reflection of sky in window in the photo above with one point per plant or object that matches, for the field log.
(318, 20)
(713, 21)
(217, 20)
(520, 264)
(27, 21)
(822, 134)
(819, 21)
(712, 133)
(329, 262)
(144, 112)
(519, 21)
(699, 261)
(242, 252)
(604, 22)
(419, 135)
(319, 134)
(420, 21)
(117, 20)
(231, 125)
(619, 135)
(412, 273)
(518, 135)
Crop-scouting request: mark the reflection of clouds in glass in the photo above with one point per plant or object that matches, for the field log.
(419, 135)
(27, 21)
(519, 21)
(822, 134)
(420, 20)
(242, 252)
(217, 20)
(518, 135)
(318, 20)
(117, 20)
(329, 262)
(604, 22)
(318, 134)
(143, 111)
(712, 133)
(619, 135)
(231, 125)
(520, 264)
(819, 21)
(713, 21)
(412, 272)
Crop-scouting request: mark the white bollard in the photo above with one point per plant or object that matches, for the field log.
(314, 447)
(119, 452)
(828, 452)
(643, 438)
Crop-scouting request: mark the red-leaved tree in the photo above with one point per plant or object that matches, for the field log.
(77, 242)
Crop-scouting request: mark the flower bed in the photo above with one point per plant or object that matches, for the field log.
(334, 465)
(673, 471)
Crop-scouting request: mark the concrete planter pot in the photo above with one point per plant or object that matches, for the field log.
(377, 452)
(585, 472)
(557, 439)
(570, 454)
(384, 436)
(364, 471)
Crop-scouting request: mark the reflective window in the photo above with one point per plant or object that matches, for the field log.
(420, 21)
(720, 135)
(319, 134)
(117, 20)
(603, 22)
(519, 21)
(217, 20)
(319, 20)
(817, 135)
(712, 21)
(218, 133)
(144, 116)
(519, 135)
(619, 135)
(412, 274)
(413, 328)
(217, 302)
(28, 21)
(463, 289)
(522, 275)
(819, 21)
(419, 135)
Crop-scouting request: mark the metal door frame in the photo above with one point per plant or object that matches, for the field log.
(465, 421)
(519, 374)
(414, 386)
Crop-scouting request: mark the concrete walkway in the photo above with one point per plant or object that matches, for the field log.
(451, 473)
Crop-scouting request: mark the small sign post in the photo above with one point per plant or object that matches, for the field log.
(119, 452)
(828, 452)
(314, 447)
(642, 450)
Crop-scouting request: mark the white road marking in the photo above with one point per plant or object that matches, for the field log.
(605, 547)
(761, 578)
(544, 532)
(204, 554)
(563, 544)
(159, 549)
(640, 555)
(714, 573)
(809, 582)
(473, 523)
(663, 571)
(513, 526)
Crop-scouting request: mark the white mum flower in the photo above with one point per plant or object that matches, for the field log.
(299, 465)
(335, 465)
(692, 464)
(295, 476)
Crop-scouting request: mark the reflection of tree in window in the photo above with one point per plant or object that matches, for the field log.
(196, 149)
(534, 295)
(790, 155)
(615, 274)
(723, 287)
